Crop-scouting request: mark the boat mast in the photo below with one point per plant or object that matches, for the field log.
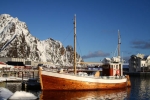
(119, 42)
(75, 44)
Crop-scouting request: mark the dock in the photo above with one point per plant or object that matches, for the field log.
(14, 75)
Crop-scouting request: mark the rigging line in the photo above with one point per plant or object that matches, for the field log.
(79, 47)
(115, 51)
(67, 35)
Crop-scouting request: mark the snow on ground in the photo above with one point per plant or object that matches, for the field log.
(22, 95)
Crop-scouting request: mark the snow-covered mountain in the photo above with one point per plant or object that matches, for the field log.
(29, 47)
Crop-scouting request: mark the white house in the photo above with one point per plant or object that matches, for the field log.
(148, 62)
(139, 62)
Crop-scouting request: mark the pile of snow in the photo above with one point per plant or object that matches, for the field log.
(5, 93)
(22, 95)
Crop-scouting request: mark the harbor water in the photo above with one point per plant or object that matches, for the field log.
(140, 90)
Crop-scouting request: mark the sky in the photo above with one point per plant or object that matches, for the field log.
(98, 22)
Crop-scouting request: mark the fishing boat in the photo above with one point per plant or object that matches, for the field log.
(108, 79)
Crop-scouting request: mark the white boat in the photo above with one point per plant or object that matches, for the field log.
(64, 81)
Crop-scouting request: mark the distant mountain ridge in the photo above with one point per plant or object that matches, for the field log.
(29, 47)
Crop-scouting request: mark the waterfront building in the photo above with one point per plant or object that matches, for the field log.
(139, 62)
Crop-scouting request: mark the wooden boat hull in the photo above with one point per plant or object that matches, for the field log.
(57, 81)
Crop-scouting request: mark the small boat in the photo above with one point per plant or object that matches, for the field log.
(110, 79)
(33, 83)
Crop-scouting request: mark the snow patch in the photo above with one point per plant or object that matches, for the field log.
(22, 95)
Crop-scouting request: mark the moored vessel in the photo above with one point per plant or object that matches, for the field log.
(111, 77)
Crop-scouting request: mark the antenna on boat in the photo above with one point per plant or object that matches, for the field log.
(75, 44)
(119, 42)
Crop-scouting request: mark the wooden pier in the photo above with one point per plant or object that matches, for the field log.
(18, 74)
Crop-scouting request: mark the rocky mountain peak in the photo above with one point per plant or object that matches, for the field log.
(29, 47)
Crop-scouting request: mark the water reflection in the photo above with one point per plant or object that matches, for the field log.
(120, 94)
(37, 92)
(140, 88)
(13, 86)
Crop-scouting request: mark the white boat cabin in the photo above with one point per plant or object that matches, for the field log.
(112, 67)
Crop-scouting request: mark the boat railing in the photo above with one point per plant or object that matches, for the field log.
(61, 69)
(83, 74)
(51, 69)
(112, 77)
(101, 77)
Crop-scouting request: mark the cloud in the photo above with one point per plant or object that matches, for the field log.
(140, 44)
(95, 54)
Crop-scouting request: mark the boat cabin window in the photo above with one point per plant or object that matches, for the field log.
(111, 66)
(116, 66)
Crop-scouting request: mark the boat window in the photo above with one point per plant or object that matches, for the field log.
(116, 66)
(111, 66)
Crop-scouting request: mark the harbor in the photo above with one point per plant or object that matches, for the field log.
(136, 92)
(102, 52)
